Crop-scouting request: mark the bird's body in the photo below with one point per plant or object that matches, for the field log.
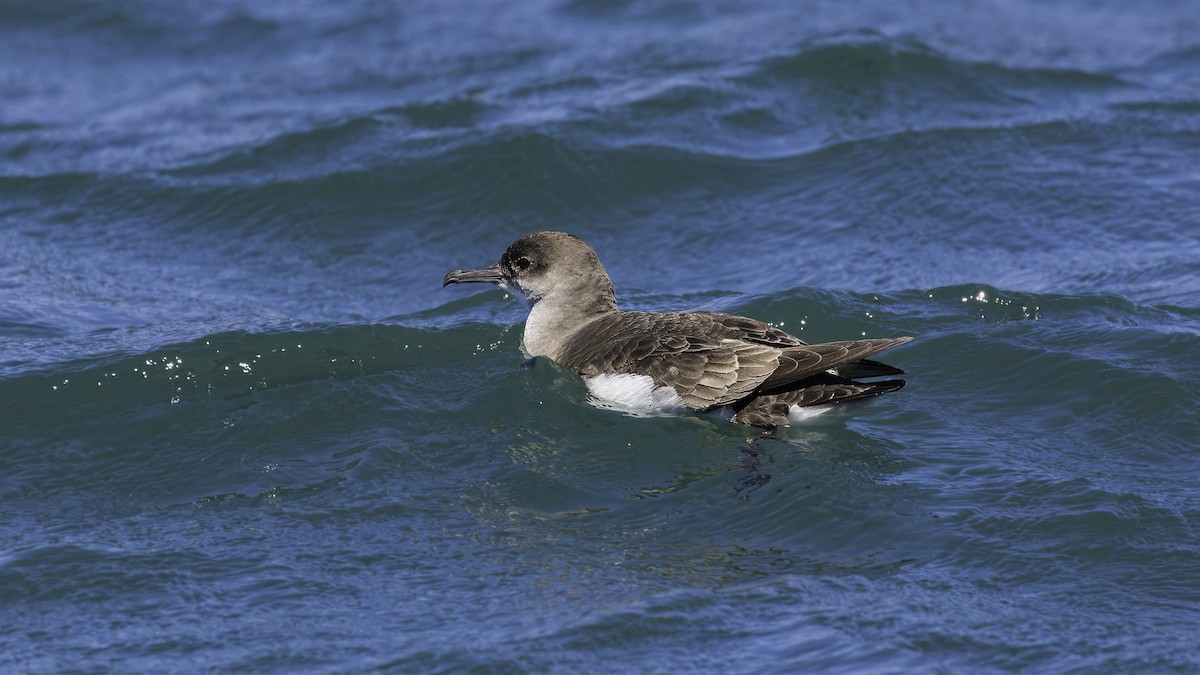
(674, 360)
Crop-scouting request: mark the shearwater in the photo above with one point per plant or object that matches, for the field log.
(702, 361)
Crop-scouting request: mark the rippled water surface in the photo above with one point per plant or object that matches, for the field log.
(242, 428)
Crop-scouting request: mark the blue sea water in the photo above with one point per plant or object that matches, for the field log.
(242, 428)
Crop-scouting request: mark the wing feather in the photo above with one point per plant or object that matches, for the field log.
(713, 359)
(798, 363)
(676, 349)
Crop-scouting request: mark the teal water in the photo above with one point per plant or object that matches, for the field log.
(242, 428)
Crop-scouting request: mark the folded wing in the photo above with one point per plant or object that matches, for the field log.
(713, 359)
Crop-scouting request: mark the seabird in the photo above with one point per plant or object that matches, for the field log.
(702, 361)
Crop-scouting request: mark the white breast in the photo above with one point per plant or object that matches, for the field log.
(634, 393)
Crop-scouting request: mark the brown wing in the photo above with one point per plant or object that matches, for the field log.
(798, 363)
(752, 330)
(714, 359)
(677, 350)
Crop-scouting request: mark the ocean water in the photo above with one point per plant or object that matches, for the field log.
(244, 429)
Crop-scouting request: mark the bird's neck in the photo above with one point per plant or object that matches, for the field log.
(554, 318)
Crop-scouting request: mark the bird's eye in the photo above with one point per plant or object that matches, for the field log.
(522, 263)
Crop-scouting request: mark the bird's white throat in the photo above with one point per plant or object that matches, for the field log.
(551, 322)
